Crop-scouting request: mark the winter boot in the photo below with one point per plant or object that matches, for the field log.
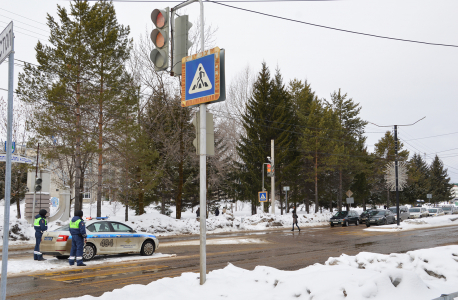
(80, 263)
(71, 261)
(35, 257)
(40, 257)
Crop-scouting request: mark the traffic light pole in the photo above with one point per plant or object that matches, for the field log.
(203, 154)
(272, 152)
(396, 171)
(9, 135)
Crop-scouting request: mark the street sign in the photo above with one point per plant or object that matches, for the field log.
(286, 188)
(350, 200)
(349, 193)
(6, 42)
(429, 196)
(202, 78)
(262, 196)
(12, 148)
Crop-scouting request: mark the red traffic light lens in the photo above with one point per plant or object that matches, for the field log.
(160, 20)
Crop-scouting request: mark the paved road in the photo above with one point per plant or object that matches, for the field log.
(281, 249)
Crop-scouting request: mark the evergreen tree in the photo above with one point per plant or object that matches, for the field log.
(417, 181)
(439, 182)
(265, 119)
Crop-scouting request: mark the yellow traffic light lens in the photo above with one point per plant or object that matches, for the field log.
(160, 20)
(160, 40)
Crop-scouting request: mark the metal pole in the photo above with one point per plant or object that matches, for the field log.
(34, 191)
(263, 184)
(272, 144)
(6, 219)
(203, 167)
(396, 170)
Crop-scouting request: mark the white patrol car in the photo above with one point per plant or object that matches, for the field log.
(103, 237)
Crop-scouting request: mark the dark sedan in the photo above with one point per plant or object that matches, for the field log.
(380, 217)
(344, 218)
(364, 216)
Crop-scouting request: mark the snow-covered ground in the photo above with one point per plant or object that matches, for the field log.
(423, 223)
(161, 225)
(18, 266)
(421, 274)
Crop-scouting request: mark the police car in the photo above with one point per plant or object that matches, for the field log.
(103, 237)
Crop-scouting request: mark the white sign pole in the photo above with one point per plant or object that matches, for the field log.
(7, 47)
(203, 168)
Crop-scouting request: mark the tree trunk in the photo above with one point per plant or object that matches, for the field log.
(387, 198)
(178, 198)
(100, 148)
(316, 180)
(163, 206)
(307, 205)
(141, 205)
(281, 199)
(339, 195)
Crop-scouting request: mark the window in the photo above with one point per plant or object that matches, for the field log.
(118, 227)
(99, 227)
(87, 190)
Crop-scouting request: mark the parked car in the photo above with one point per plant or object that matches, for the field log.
(403, 212)
(418, 212)
(103, 237)
(380, 217)
(345, 218)
(449, 210)
(434, 212)
(364, 216)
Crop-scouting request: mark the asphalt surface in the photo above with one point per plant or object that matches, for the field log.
(281, 249)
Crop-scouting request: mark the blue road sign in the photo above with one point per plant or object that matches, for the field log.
(13, 146)
(202, 78)
(262, 196)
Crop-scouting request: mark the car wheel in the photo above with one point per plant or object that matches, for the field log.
(368, 225)
(357, 222)
(62, 257)
(346, 223)
(332, 225)
(147, 248)
(89, 252)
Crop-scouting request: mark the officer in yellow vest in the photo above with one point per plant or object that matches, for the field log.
(41, 225)
(78, 232)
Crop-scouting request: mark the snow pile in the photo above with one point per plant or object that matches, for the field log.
(412, 224)
(421, 274)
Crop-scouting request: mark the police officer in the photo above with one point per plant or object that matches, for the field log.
(78, 232)
(41, 225)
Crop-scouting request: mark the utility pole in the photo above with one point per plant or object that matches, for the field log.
(396, 162)
(263, 189)
(272, 153)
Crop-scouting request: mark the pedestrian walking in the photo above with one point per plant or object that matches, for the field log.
(295, 219)
(217, 212)
(41, 225)
(198, 212)
(78, 232)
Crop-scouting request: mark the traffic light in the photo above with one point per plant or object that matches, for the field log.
(181, 44)
(210, 134)
(38, 182)
(160, 37)
(269, 170)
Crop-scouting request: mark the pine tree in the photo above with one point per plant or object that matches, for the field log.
(417, 181)
(439, 182)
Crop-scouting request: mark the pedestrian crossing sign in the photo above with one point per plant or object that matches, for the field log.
(202, 79)
(262, 196)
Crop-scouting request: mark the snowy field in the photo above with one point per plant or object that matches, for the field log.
(421, 274)
(161, 225)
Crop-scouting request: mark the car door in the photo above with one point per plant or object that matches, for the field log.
(126, 238)
(102, 237)
(389, 216)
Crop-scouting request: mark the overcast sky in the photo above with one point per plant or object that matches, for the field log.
(395, 82)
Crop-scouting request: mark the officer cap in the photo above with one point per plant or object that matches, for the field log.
(43, 212)
(79, 213)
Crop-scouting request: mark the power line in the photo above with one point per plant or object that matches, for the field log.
(22, 16)
(333, 28)
(432, 136)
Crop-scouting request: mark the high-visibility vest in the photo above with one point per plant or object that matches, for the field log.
(37, 221)
(76, 224)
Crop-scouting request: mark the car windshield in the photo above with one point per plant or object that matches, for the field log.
(446, 208)
(414, 210)
(393, 210)
(380, 213)
(341, 214)
(63, 228)
(432, 210)
(373, 212)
